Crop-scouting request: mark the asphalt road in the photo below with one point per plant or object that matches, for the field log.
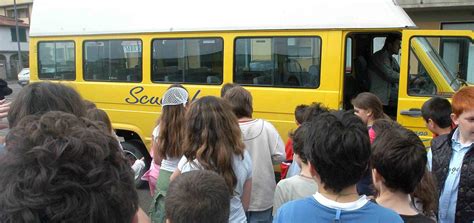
(143, 193)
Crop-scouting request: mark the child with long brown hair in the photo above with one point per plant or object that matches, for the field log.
(213, 142)
(369, 108)
(167, 140)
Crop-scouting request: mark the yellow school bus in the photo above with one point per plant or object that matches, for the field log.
(123, 55)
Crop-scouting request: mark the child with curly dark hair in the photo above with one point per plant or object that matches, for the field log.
(62, 168)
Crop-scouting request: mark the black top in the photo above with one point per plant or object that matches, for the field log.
(419, 218)
(365, 185)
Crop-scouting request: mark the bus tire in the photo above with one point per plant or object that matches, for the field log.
(135, 150)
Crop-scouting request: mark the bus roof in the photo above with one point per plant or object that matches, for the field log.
(86, 17)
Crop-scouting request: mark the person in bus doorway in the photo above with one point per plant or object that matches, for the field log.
(384, 73)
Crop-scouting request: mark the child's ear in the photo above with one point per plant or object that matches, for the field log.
(455, 118)
(431, 123)
(369, 112)
(376, 177)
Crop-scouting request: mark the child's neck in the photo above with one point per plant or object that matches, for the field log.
(464, 141)
(347, 195)
(305, 171)
(397, 201)
(245, 119)
(370, 123)
(443, 131)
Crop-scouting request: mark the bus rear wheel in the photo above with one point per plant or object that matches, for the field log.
(135, 150)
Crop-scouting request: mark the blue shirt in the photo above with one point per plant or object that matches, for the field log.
(309, 209)
(449, 194)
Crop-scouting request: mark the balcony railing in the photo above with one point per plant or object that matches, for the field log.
(434, 3)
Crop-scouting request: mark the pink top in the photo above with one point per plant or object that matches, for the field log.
(371, 135)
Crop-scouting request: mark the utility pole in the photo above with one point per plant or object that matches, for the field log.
(20, 62)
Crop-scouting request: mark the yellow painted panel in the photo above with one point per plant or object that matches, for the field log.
(134, 106)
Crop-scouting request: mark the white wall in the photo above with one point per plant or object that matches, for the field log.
(6, 43)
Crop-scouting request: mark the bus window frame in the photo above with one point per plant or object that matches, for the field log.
(271, 37)
(110, 81)
(39, 61)
(184, 82)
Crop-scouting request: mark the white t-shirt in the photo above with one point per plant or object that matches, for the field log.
(243, 171)
(266, 148)
(348, 206)
(168, 164)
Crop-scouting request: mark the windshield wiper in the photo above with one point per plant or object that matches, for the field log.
(462, 81)
(459, 81)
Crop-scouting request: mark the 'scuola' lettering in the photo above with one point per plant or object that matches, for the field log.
(135, 98)
(133, 91)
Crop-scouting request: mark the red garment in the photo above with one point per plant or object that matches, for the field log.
(372, 135)
(289, 157)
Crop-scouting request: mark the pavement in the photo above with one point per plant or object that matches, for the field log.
(143, 192)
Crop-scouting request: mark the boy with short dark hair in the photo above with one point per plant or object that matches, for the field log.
(338, 150)
(313, 111)
(226, 87)
(437, 114)
(398, 165)
(310, 113)
(200, 196)
(300, 185)
(453, 161)
(299, 112)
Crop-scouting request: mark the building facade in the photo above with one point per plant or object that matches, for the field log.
(440, 14)
(8, 40)
(9, 65)
(23, 7)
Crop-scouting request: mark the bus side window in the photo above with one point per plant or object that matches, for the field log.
(278, 61)
(190, 60)
(56, 60)
(113, 60)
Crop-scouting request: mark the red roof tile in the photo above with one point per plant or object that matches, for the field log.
(7, 21)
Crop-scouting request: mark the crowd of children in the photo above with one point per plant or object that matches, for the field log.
(213, 162)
